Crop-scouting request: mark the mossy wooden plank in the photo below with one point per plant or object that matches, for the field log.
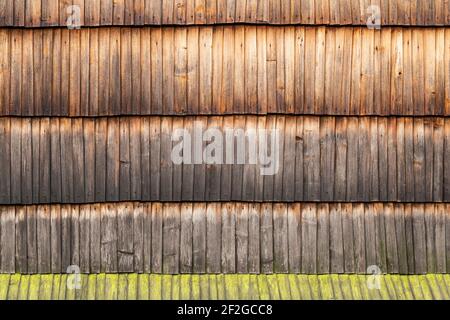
(231, 287)
(337, 288)
(100, 292)
(176, 287)
(293, 286)
(315, 287)
(4, 284)
(166, 287)
(13, 289)
(213, 289)
(325, 287)
(434, 287)
(221, 289)
(24, 284)
(283, 285)
(62, 287)
(253, 293)
(155, 287)
(346, 286)
(415, 287)
(390, 288)
(444, 289)
(132, 288)
(263, 287)
(33, 290)
(92, 286)
(355, 287)
(195, 287)
(84, 292)
(111, 286)
(274, 290)
(122, 289)
(185, 287)
(427, 294)
(143, 287)
(46, 286)
(398, 286)
(204, 287)
(304, 287)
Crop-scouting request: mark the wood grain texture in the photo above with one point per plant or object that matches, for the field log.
(323, 159)
(43, 13)
(224, 70)
(216, 238)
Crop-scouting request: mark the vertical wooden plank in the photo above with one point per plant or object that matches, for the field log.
(299, 73)
(446, 163)
(409, 231)
(33, 13)
(213, 238)
(319, 87)
(171, 237)
(419, 160)
(205, 70)
(447, 66)
(419, 72)
(400, 233)
(118, 8)
(92, 12)
(261, 43)
(148, 237)
(168, 48)
(85, 240)
(186, 238)
(65, 237)
(323, 238)
(254, 236)
(114, 72)
(21, 239)
(32, 261)
(391, 239)
(312, 158)
(142, 94)
(228, 238)
(155, 157)
(74, 73)
(124, 159)
(383, 157)
(101, 132)
(109, 237)
(181, 71)
(103, 71)
(401, 165)
(251, 70)
(35, 146)
(27, 96)
(429, 158)
(113, 160)
(440, 72)
(89, 160)
(392, 182)
(239, 70)
(66, 160)
(55, 234)
(5, 69)
(5, 159)
(19, 13)
(167, 186)
(367, 73)
(430, 231)
(355, 100)
(336, 240)
(126, 75)
(310, 55)
(419, 229)
(280, 230)
(135, 159)
(125, 236)
(14, 153)
(309, 238)
(95, 237)
(327, 158)
(157, 237)
(213, 170)
(153, 12)
(380, 236)
(369, 230)
(199, 238)
(350, 265)
(352, 158)
(267, 244)
(74, 235)
(188, 169)
(430, 71)
(156, 71)
(340, 184)
(440, 232)
(7, 235)
(138, 237)
(78, 161)
(242, 237)
(44, 240)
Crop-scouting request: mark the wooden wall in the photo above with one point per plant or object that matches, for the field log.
(225, 70)
(42, 13)
(76, 160)
(226, 238)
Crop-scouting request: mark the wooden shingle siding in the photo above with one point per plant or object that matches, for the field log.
(43, 13)
(225, 70)
(174, 238)
(82, 160)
